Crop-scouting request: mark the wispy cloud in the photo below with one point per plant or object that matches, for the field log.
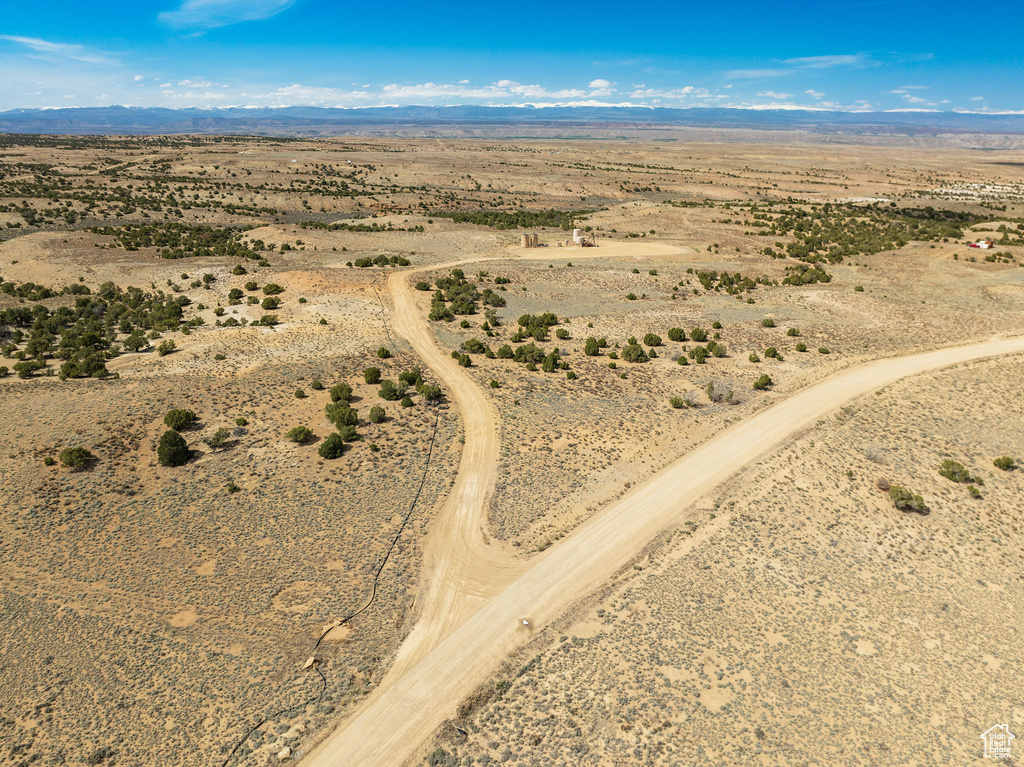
(207, 14)
(686, 92)
(50, 51)
(857, 60)
(754, 74)
(775, 95)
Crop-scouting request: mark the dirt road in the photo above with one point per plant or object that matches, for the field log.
(462, 566)
(395, 722)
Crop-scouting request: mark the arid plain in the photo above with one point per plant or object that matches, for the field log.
(789, 614)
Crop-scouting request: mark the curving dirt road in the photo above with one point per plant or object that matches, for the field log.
(462, 566)
(450, 653)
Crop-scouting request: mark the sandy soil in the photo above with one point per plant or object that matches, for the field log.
(393, 724)
(794, 616)
(128, 582)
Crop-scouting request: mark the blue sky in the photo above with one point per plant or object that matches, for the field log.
(852, 55)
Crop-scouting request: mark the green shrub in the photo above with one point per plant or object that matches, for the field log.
(172, 450)
(858, 288)
(753, 357)
(341, 414)
(634, 353)
(716, 325)
(676, 334)
(300, 394)
(431, 393)
(165, 348)
(49, 461)
(561, 334)
(904, 500)
(801, 347)
(251, 285)
(377, 414)
(823, 350)
(406, 402)
(332, 447)
(371, 375)
(412, 377)
(270, 302)
(241, 422)
(768, 322)
(771, 351)
(383, 353)
(341, 391)
(676, 402)
(272, 289)
(299, 434)
(763, 382)
(422, 285)
(179, 419)
(218, 439)
(699, 335)
(1005, 463)
(651, 339)
(238, 270)
(348, 432)
(75, 458)
(389, 391)
(494, 383)
(954, 471)
(793, 332)
(316, 384)
(571, 375)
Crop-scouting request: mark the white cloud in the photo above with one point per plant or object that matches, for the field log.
(774, 95)
(599, 83)
(207, 14)
(686, 92)
(817, 95)
(307, 95)
(977, 98)
(828, 62)
(754, 74)
(502, 89)
(138, 78)
(49, 51)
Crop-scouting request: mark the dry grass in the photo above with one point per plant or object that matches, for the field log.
(149, 610)
(801, 617)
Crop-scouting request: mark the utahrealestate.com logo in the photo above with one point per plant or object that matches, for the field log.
(998, 741)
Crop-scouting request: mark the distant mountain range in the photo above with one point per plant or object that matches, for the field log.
(412, 120)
